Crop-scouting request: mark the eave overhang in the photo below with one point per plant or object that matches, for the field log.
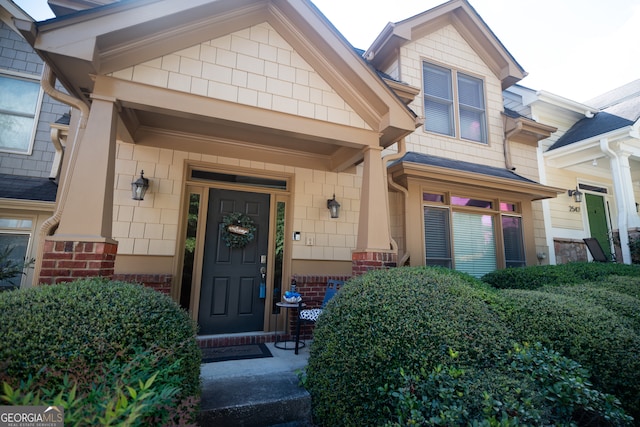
(625, 139)
(96, 42)
(526, 131)
(467, 22)
(473, 181)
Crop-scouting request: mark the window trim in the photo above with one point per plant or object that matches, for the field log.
(495, 212)
(36, 114)
(457, 129)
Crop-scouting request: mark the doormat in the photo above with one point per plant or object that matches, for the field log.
(235, 352)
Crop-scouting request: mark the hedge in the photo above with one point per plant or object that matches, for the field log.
(411, 318)
(534, 277)
(595, 336)
(67, 334)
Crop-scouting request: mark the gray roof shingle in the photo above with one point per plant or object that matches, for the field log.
(442, 162)
(620, 108)
(27, 188)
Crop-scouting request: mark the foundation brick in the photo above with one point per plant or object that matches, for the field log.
(67, 261)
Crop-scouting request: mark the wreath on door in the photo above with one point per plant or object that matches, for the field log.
(238, 230)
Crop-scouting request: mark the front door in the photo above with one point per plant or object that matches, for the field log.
(231, 300)
(598, 221)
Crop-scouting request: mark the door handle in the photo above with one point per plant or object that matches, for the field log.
(263, 282)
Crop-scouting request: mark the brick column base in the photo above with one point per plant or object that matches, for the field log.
(361, 262)
(67, 261)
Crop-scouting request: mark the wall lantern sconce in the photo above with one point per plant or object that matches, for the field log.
(334, 207)
(139, 187)
(576, 194)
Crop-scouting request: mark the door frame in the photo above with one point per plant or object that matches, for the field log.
(607, 221)
(201, 187)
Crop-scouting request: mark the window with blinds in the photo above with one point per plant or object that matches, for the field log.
(441, 110)
(438, 100)
(437, 236)
(474, 243)
(472, 111)
(513, 242)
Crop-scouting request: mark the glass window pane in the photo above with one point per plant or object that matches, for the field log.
(475, 203)
(508, 207)
(15, 223)
(437, 236)
(15, 134)
(513, 242)
(19, 96)
(438, 99)
(428, 197)
(474, 243)
(472, 125)
(437, 82)
(470, 91)
(438, 117)
(19, 244)
(472, 108)
(189, 250)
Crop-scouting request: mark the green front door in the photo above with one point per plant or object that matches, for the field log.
(598, 221)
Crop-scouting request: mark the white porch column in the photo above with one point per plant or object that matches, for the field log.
(633, 220)
(87, 214)
(621, 174)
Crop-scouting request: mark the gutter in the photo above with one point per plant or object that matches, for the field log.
(51, 224)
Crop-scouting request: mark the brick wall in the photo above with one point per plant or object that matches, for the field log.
(312, 289)
(365, 261)
(67, 261)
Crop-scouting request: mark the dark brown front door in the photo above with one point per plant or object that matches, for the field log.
(230, 297)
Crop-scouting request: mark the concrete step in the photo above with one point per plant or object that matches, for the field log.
(274, 399)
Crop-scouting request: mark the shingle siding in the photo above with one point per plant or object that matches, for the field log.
(17, 56)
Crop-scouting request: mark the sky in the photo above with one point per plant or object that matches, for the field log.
(577, 49)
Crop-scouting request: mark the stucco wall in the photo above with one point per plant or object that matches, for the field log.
(447, 48)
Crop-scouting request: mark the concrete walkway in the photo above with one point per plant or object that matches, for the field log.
(256, 392)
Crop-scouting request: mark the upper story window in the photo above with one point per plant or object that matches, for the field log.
(454, 104)
(19, 105)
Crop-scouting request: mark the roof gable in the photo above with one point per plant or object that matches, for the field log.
(113, 37)
(461, 15)
(253, 66)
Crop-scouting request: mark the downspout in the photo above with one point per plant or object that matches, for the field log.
(507, 152)
(402, 150)
(50, 225)
(623, 226)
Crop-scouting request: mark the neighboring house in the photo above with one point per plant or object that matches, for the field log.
(596, 152)
(28, 166)
(260, 111)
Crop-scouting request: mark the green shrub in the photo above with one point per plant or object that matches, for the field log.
(590, 334)
(528, 386)
(140, 392)
(624, 285)
(63, 334)
(624, 305)
(534, 277)
(407, 318)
